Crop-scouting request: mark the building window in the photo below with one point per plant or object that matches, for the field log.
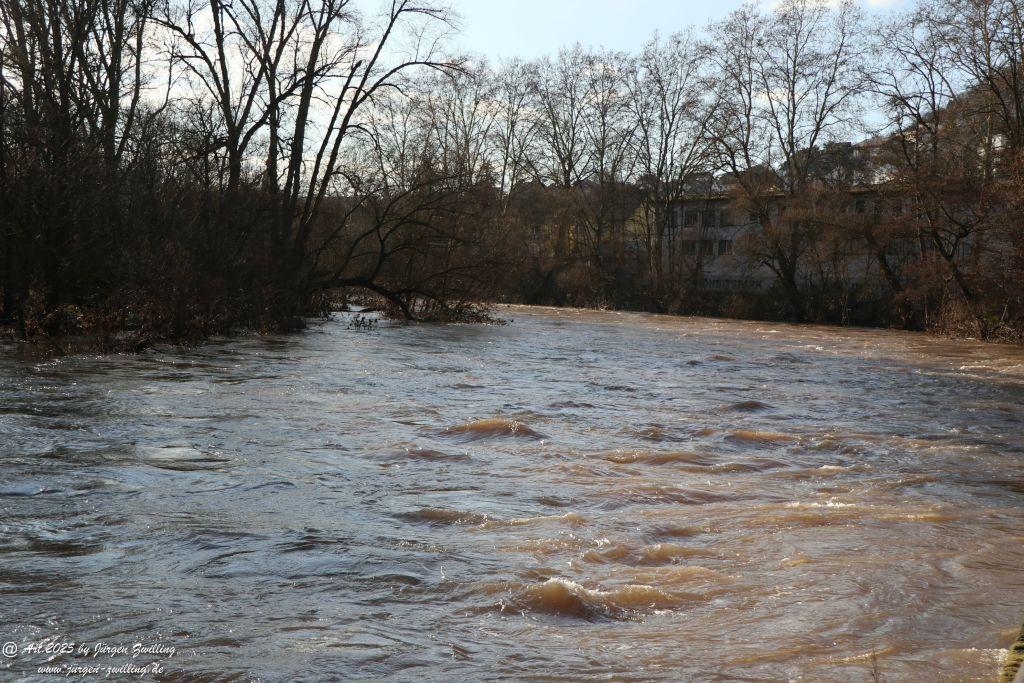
(724, 247)
(690, 219)
(708, 218)
(688, 247)
(752, 217)
(707, 247)
(860, 206)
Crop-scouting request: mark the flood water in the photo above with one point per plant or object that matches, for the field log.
(576, 495)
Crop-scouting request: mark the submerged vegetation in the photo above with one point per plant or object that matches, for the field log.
(171, 169)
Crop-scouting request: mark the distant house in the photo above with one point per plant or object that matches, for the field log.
(711, 229)
(704, 233)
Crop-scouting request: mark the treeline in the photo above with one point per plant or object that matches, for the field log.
(171, 169)
(176, 168)
(917, 225)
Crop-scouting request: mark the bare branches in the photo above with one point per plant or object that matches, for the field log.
(307, 144)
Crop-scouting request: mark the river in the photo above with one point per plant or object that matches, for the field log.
(575, 495)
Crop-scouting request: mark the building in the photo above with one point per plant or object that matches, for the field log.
(703, 240)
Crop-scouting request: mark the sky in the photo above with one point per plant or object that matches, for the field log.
(532, 28)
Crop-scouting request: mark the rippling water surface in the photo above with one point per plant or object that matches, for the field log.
(574, 495)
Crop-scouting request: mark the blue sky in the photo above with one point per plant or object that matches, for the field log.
(530, 28)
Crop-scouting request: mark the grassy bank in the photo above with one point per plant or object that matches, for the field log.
(1014, 660)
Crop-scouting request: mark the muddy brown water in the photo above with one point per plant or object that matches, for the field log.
(576, 495)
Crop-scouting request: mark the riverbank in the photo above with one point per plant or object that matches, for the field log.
(954, 323)
(1013, 670)
(78, 334)
(484, 313)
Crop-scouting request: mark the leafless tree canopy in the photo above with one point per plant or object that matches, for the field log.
(174, 168)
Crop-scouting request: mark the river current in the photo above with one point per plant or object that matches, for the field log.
(575, 495)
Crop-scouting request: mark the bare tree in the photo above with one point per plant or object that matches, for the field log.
(71, 77)
(941, 156)
(785, 85)
(671, 113)
(414, 227)
(515, 136)
(462, 116)
(560, 91)
(606, 200)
